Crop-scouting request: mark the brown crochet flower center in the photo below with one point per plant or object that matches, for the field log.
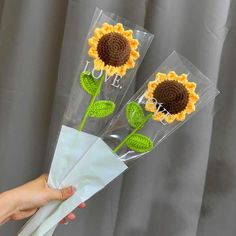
(113, 49)
(173, 96)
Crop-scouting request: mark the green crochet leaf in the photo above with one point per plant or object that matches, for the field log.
(102, 109)
(88, 82)
(134, 114)
(139, 143)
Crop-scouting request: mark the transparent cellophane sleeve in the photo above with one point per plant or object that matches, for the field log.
(113, 89)
(157, 131)
(77, 148)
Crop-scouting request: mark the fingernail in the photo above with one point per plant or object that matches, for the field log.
(71, 216)
(63, 221)
(82, 205)
(71, 190)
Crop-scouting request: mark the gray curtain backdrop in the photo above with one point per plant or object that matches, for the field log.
(184, 188)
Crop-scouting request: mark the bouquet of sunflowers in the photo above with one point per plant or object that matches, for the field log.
(98, 141)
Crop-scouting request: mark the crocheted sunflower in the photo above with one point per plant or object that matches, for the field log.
(171, 97)
(113, 49)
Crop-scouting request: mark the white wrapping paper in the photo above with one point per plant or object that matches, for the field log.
(96, 166)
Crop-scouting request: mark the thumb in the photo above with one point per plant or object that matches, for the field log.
(60, 194)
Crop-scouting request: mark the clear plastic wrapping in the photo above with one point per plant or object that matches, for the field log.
(114, 87)
(112, 53)
(157, 130)
(98, 89)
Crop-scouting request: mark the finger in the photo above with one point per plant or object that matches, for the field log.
(82, 205)
(63, 221)
(5, 221)
(23, 214)
(44, 176)
(60, 194)
(71, 216)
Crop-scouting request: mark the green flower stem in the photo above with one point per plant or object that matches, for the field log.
(92, 102)
(117, 148)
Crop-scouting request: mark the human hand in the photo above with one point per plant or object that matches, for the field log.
(27, 198)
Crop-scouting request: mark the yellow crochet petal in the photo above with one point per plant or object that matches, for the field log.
(121, 71)
(172, 75)
(98, 33)
(190, 108)
(119, 28)
(133, 43)
(107, 27)
(158, 116)
(92, 42)
(148, 95)
(151, 86)
(181, 116)
(134, 54)
(128, 33)
(191, 86)
(149, 106)
(130, 63)
(183, 78)
(170, 118)
(160, 77)
(98, 64)
(193, 97)
(92, 53)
